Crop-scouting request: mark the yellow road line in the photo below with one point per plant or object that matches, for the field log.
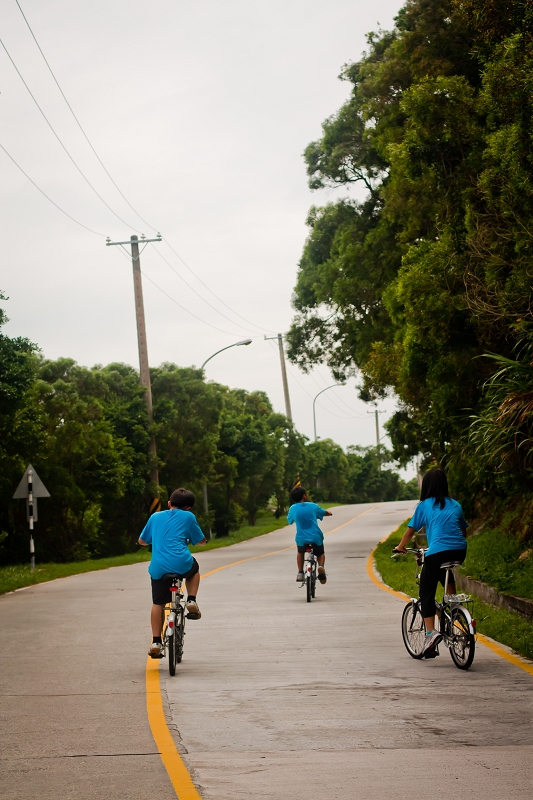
(177, 771)
(517, 661)
(284, 549)
(498, 649)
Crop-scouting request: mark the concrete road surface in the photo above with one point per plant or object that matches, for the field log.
(275, 698)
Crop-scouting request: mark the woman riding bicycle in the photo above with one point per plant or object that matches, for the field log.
(445, 527)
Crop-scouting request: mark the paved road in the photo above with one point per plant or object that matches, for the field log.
(275, 698)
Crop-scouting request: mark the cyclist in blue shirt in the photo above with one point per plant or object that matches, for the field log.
(305, 515)
(445, 527)
(170, 533)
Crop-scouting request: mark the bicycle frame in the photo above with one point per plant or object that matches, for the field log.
(177, 601)
(310, 572)
(310, 562)
(444, 610)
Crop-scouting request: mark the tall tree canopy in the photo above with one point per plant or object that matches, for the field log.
(416, 283)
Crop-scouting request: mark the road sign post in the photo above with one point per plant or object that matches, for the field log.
(30, 488)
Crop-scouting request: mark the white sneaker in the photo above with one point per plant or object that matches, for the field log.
(456, 598)
(300, 577)
(193, 612)
(432, 640)
(322, 577)
(156, 650)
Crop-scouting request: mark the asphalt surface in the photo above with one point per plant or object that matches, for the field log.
(275, 698)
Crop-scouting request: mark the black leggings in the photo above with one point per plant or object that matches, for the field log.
(432, 574)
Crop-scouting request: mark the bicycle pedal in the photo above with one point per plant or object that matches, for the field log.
(433, 653)
(160, 656)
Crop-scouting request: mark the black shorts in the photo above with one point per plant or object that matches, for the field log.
(318, 549)
(161, 594)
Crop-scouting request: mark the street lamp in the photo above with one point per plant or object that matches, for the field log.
(236, 344)
(314, 401)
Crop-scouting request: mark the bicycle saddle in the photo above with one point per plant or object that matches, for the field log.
(450, 564)
(172, 575)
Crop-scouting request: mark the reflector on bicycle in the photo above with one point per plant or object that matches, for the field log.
(174, 588)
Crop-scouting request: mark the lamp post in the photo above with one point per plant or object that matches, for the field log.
(235, 344)
(314, 401)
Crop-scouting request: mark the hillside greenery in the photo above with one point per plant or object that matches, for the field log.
(423, 287)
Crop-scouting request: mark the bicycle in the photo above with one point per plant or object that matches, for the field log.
(174, 630)
(456, 624)
(310, 571)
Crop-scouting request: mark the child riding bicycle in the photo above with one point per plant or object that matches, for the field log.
(445, 527)
(170, 532)
(305, 515)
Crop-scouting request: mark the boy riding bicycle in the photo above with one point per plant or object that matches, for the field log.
(305, 515)
(170, 532)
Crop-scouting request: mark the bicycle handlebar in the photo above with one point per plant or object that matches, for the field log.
(414, 551)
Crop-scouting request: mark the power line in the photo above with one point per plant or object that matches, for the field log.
(330, 398)
(79, 123)
(248, 322)
(85, 178)
(47, 197)
(184, 308)
(268, 330)
(324, 408)
(198, 294)
(169, 297)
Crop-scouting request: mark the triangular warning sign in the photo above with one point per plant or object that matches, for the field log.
(38, 487)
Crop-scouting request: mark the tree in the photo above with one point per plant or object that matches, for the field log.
(414, 284)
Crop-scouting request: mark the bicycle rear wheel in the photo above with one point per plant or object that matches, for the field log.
(413, 629)
(308, 583)
(313, 582)
(172, 653)
(463, 643)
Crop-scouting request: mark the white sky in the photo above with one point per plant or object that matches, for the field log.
(201, 112)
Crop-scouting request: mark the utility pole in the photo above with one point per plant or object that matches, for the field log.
(144, 369)
(279, 337)
(376, 412)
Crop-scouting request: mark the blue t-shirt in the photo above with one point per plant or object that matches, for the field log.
(169, 533)
(305, 516)
(443, 525)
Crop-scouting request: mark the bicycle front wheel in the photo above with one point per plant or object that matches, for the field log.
(463, 643)
(180, 633)
(413, 629)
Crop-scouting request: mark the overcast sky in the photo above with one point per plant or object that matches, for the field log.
(200, 112)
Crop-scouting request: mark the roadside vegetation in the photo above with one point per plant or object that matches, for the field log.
(424, 284)
(503, 626)
(21, 575)
(18, 576)
(85, 431)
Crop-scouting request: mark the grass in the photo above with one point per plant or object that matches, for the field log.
(503, 626)
(18, 576)
(494, 557)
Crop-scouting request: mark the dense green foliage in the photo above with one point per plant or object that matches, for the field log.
(86, 433)
(19, 575)
(424, 287)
